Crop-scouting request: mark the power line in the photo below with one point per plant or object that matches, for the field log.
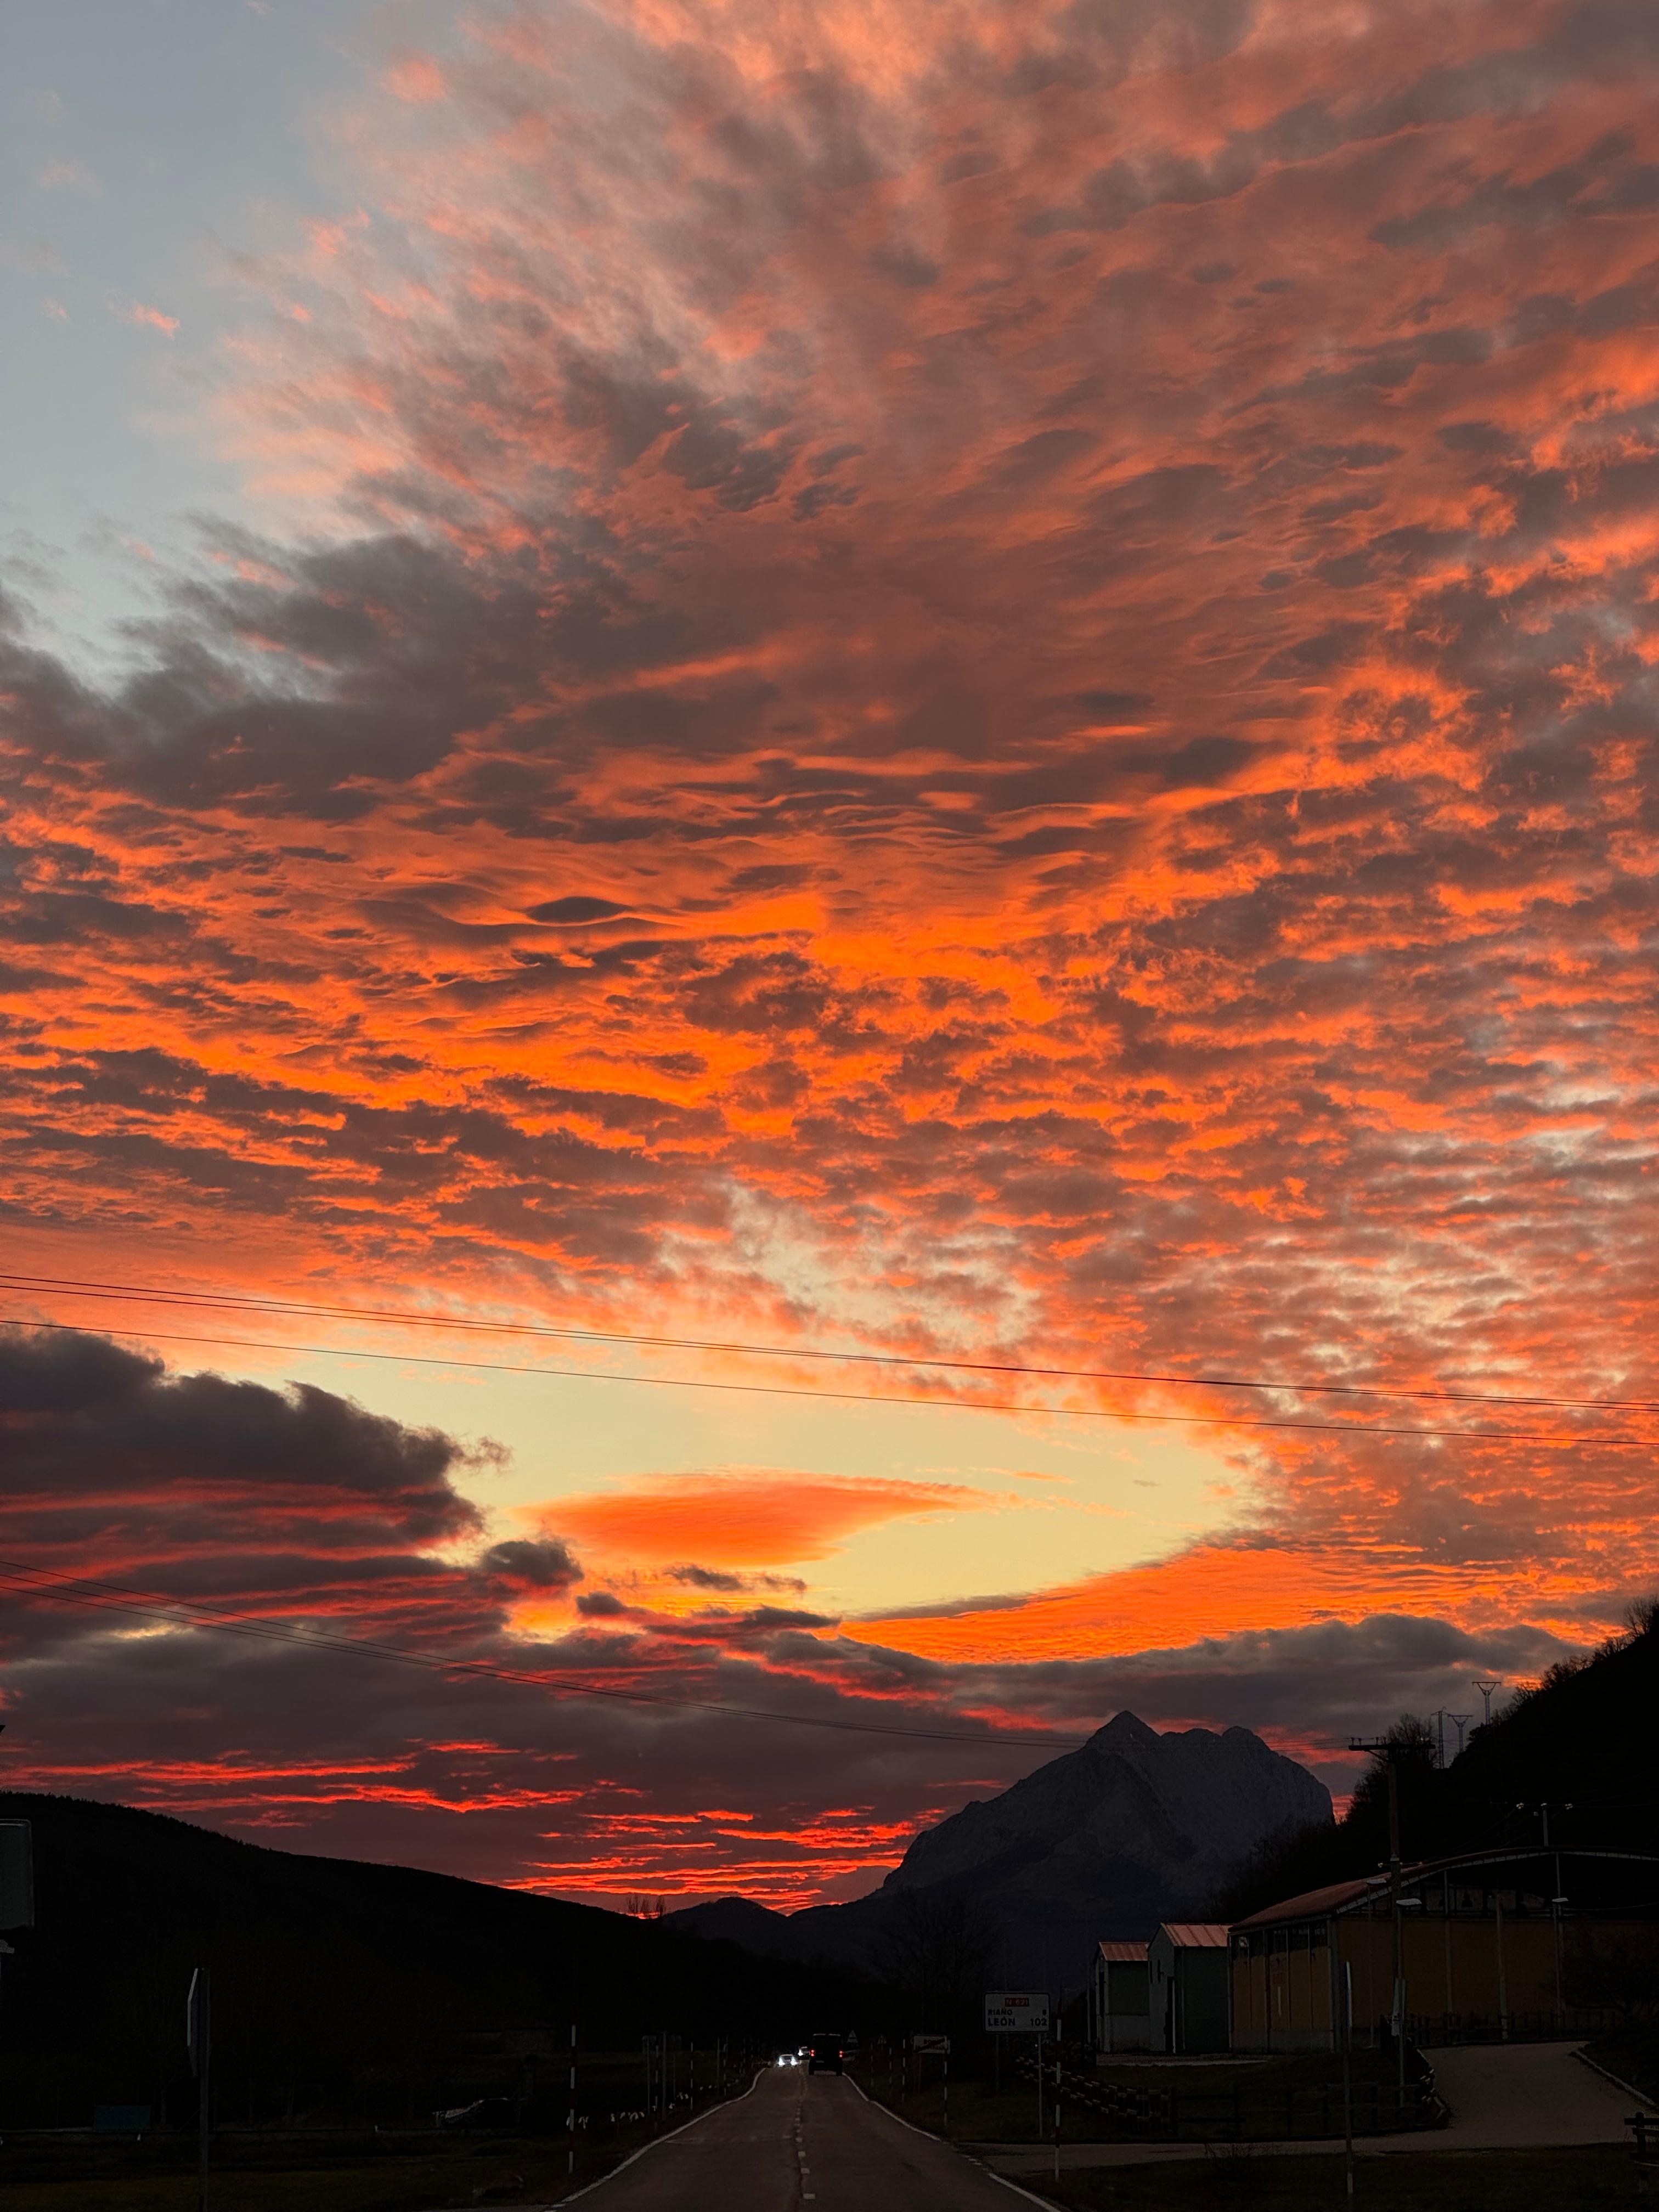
(868, 1397)
(406, 1317)
(23, 1580)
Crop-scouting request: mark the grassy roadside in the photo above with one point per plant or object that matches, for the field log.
(255, 2172)
(1632, 2053)
(1591, 2179)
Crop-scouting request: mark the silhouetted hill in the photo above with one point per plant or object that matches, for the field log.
(1582, 1742)
(1133, 1828)
(338, 1984)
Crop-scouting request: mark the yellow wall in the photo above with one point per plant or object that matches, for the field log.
(1281, 1997)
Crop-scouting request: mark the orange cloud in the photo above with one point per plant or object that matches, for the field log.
(417, 79)
(1221, 1590)
(140, 314)
(746, 1519)
(1004, 701)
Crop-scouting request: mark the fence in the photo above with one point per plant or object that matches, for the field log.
(1576, 2024)
(1249, 2110)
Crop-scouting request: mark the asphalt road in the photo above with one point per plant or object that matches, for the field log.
(1502, 2095)
(801, 2140)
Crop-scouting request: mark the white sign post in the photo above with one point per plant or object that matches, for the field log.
(1020, 2012)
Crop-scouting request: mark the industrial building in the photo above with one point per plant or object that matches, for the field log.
(1478, 1947)
(1121, 1998)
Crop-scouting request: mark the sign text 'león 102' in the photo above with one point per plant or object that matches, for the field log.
(1016, 2012)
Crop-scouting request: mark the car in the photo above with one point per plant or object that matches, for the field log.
(825, 2055)
(787, 2058)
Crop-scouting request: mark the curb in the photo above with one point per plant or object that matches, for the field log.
(1618, 2080)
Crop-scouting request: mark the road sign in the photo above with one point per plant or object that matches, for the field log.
(932, 2046)
(1016, 2012)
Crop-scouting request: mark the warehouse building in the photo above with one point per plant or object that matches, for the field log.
(1477, 1948)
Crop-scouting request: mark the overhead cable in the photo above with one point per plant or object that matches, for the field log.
(1564, 1440)
(408, 1317)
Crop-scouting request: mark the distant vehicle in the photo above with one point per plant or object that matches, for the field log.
(825, 2055)
(787, 2058)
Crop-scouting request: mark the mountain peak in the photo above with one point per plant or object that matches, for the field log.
(1123, 1728)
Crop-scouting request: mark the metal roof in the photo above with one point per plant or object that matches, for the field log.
(1313, 1904)
(1124, 1954)
(1341, 1897)
(1196, 1935)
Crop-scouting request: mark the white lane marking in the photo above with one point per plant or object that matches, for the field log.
(1047, 2202)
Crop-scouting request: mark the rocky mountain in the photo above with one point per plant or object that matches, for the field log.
(1134, 1828)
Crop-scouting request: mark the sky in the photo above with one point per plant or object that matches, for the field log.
(929, 684)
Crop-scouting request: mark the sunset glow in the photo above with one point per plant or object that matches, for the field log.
(959, 681)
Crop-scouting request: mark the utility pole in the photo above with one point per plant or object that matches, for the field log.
(1440, 1737)
(1388, 1751)
(1347, 2068)
(1383, 1748)
(1460, 1722)
(1486, 1690)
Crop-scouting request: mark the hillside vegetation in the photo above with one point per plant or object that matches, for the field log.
(1582, 1742)
(339, 1988)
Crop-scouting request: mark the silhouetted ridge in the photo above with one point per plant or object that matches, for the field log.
(337, 1983)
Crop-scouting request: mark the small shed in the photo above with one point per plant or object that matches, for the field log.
(1122, 2016)
(1186, 1987)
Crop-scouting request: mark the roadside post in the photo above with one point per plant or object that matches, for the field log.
(1020, 2012)
(1347, 2070)
(936, 2046)
(198, 2036)
(1057, 2117)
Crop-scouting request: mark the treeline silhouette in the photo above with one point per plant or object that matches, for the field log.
(343, 1992)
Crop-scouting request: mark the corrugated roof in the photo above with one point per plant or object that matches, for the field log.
(1196, 1935)
(1343, 1896)
(1124, 1954)
(1312, 1905)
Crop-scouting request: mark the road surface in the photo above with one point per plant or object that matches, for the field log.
(1510, 2096)
(797, 2140)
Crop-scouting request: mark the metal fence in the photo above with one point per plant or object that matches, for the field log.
(1577, 2023)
